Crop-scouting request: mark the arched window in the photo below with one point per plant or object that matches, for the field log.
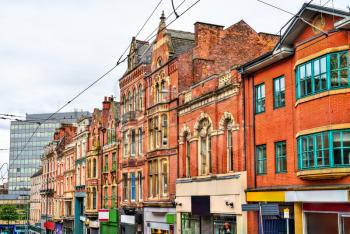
(134, 96)
(204, 147)
(83, 175)
(156, 133)
(151, 134)
(105, 197)
(94, 196)
(187, 154)
(124, 104)
(140, 142)
(88, 168)
(88, 197)
(164, 130)
(229, 146)
(140, 98)
(159, 62)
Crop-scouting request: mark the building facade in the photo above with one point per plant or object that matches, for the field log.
(110, 155)
(35, 204)
(162, 87)
(297, 120)
(81, 141)
(210, 188)
(25, 157)
(132, 134)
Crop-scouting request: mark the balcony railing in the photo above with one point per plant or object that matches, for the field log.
(129, 116)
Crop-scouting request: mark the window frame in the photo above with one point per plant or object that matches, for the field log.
(261, 151)
(280, 157)
(259, 89)
(328, 74)
(278, 102)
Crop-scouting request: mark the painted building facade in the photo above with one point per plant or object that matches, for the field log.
(110, 155)
(35, 204)
(81, 141)
(297, 125)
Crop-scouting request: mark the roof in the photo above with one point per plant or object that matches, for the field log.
(144, 51)
(285, 47)
(182, 41)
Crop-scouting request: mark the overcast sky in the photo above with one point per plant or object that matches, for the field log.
(50, 50)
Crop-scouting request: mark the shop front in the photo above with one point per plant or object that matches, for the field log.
(109, 225)
(131, 220)
(310, 212)
(159, 220)
(211, 204)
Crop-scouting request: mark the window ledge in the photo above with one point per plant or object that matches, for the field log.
(323, 174)
(321, 95)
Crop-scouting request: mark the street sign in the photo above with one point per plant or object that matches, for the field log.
(266, 208)
(286, 213)
(103, 215)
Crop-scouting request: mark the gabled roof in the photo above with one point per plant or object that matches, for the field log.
(297, 25)
(284, 47)
(144, 50)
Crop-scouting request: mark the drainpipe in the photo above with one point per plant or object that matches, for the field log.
(244, 129)
(253, 111)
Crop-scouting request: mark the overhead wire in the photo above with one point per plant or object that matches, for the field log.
(120, 61)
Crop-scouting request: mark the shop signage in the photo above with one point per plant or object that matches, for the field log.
(200, 205)
(49, 225)
(103, 215)
(170, 218)
(94, 224)
(129, 219)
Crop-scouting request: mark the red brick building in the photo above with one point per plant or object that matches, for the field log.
(212, 178)
(110, 152)
(162, 86)
(93, 199)
(132, 137)
(298, 124)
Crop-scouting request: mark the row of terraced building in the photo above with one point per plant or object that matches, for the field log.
(224, 130)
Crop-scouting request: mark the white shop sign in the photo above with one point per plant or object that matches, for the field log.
(129, 219)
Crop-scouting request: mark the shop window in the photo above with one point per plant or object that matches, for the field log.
(224, 224)
(324, 149)
(260, 98)
(328, 72)
(190, 224)
(321, 223)
(132, 187)
(278, 92)
(261, 159)
(281, 158)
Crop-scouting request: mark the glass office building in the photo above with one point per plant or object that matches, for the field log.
(25, 157)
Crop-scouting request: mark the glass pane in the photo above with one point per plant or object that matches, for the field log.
(334, 61)
(321, 223)
(344, 77)
(343, 60)
(334, 78)
(323, 64)
(316, 67)
(345, 225)
(346, 138)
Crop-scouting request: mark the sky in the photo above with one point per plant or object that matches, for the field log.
(51, 50)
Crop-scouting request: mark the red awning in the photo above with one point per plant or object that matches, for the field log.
(49, 225)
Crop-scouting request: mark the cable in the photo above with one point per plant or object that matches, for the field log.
(295, 15)
(120, 61)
